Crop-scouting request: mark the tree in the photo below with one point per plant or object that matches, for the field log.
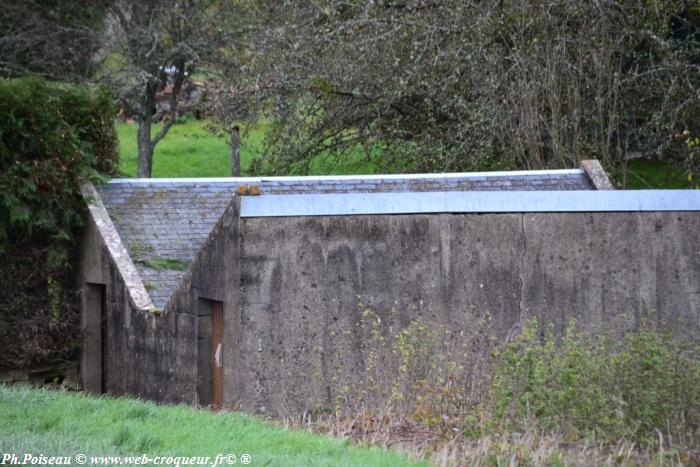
(56, 39)
(162, 43)
(462, 85)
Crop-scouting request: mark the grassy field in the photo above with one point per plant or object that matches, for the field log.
(190, 150)
(648, 174)
(61, 424)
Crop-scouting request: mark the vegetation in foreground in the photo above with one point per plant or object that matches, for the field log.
(52, 137)
(62, 424)
(461, 398)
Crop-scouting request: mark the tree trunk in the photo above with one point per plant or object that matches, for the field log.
(235, 152)
(143, 138)
(148, 109)
(145, 160)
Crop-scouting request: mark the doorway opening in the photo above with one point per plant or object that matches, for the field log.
(211, 353)
(94, 355)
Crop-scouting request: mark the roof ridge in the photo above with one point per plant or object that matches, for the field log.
(313, 178)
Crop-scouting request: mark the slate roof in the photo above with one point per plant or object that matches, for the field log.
(169, 219)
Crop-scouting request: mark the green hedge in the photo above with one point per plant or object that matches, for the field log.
(52, 137)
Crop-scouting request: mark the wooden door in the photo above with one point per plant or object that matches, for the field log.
(217, 354)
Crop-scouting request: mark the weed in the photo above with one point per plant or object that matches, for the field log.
(644, 385)
(138, 251)
(163, 264)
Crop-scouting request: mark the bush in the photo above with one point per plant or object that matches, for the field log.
(644, 385)
(52, 137)
(457, 383)
(454, 85)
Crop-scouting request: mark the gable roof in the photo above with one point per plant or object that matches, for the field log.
(164, 222)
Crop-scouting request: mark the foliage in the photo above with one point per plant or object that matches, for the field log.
(692, 158)
(458, 384)
(457, 85)
(645, 384)
(55, 39)
(54, 423)
(52, 138)
(160, 45)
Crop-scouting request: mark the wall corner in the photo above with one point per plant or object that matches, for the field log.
(596, 174)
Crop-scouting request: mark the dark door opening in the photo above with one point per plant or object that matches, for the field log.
(93, 361)
(210, 361)
(217, 354)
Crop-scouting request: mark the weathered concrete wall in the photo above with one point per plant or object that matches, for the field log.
(146, 355)
(302, 279)
(613, 270)
(214, 276)
(293, 290)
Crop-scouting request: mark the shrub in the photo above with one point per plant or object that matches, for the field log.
(458, 382)
(52, 137)
(644, 385)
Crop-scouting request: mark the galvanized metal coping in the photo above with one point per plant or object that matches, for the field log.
(469, 202)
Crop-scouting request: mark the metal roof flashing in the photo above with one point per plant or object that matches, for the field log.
(348, 204)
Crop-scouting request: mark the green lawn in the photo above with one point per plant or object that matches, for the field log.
(190, 150)
(647, 174)
(53, 423)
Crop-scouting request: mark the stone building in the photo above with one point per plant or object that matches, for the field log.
(244, 291)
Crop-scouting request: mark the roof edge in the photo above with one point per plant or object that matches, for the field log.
(154, 181)
(138, 295)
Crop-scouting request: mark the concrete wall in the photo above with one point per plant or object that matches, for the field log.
(292, 287)
(214, 276)
(146, 355)
(301, 279)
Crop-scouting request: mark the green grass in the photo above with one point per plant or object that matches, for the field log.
(190, 150)
(642, 174)
(63, 424)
